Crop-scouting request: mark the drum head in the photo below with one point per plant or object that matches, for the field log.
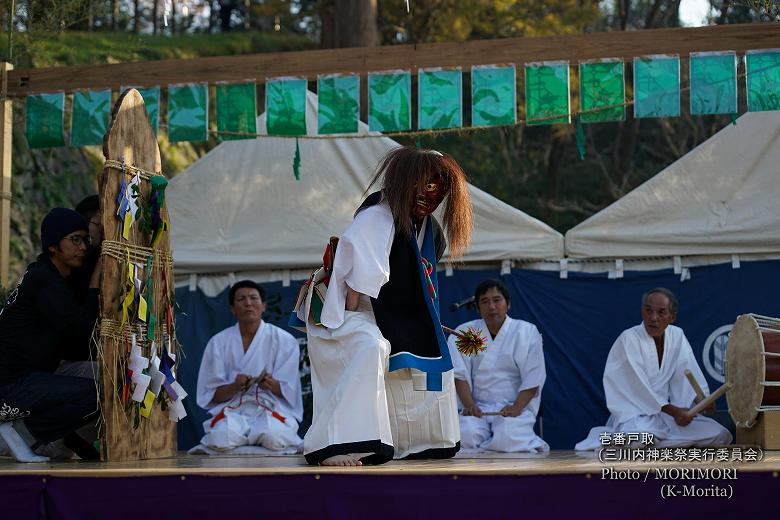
(745, 366)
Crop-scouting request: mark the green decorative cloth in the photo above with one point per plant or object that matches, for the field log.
(338, 104)
(389, 101)
(493, 95)
(285, 106)
(713, 83)
(440, 99)
(657, 86)
(188, 112)
(45, 113)
(602, 91)
(763, 80)
(90, 117)
(236, 111)
(547, 93)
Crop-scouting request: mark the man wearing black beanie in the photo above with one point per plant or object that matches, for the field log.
(41, 324)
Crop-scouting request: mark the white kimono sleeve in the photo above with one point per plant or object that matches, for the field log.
(626, 385)
(532, 371)
(362, 261)
(285, 370)
(212, 374)
(461, 364)
(681, 392)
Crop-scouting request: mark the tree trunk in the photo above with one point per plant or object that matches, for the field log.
(172, 21)
(136, 16)
(114, 14)
(155, 14)
(211, 17)
(349, 23)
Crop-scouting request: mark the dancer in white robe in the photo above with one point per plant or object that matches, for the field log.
(267, 413)
(382, 376)
(507, 377)
(645, 384)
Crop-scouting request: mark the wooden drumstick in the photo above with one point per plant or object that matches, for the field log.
(695, 385)
(706, 402)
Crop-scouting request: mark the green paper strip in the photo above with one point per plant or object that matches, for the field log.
(151, 97)
(493, 96)
(389, 101)
(150, 319)
(602, 84)
(657, 86)
(440, 99)
(236, 111)
(45, 120)
(763, 80)
(338, 104)
(297, 161)
(188, 109)
(90, 117)
(713, 83)
(547, 93)
(579, 137)
(285, 106)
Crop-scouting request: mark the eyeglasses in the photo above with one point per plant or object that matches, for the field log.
(78, 240)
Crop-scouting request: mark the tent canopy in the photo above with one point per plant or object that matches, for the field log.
(719, 199)
(240, 208)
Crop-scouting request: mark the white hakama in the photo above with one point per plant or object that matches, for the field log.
(359, 408)
(636, 389)
(513, 361)
(248, 418)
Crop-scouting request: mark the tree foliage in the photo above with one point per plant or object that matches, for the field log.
(535, 169)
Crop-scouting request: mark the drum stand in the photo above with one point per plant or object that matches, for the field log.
(765, 433)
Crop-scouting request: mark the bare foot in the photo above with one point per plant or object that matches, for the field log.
(351, 459)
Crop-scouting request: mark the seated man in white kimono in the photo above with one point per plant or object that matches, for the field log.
(645, 383)
(506, 378)
(247, 409)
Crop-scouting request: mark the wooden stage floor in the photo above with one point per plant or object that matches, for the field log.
(488, 464)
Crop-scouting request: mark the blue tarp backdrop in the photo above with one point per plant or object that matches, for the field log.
(579, 318)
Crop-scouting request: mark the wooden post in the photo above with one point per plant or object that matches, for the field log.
(6, 128)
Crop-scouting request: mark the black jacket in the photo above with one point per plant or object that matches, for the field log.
(43, 323)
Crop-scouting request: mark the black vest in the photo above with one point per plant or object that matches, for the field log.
(400, 309)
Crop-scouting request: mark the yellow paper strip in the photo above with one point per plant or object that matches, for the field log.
(126, 227)
(146, 406)
(142, 309)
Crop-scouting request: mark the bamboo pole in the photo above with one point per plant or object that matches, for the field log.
(6, 143)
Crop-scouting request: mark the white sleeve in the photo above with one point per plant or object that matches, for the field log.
(532, 371)
(461, 364)
(212, 374)
(626, 385)
(362, 261)
(285, 370)
(681, 393)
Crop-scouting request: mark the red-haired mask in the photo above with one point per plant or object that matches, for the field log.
(429, 196)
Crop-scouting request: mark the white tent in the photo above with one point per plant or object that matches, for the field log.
(719, 199)
(240, 209)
